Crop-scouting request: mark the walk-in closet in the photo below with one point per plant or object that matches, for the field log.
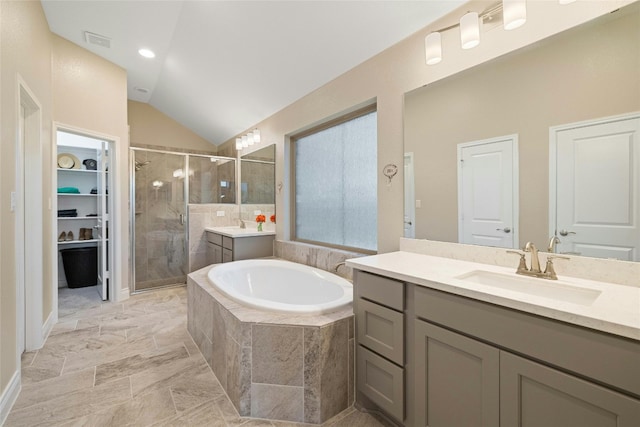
(83, 208)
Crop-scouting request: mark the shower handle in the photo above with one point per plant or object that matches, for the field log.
(181, 219)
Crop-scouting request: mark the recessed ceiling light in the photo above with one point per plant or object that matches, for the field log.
(147, 53)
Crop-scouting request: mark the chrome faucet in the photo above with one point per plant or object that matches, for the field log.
(337, 266)
(548, 273)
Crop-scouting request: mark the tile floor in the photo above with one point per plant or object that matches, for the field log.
(129, 364)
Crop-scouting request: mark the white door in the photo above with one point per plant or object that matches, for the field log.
(103, 222)
(598, 189)
(488, 192)
(409, 197)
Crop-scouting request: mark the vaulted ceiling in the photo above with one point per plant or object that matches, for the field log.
(222, 66)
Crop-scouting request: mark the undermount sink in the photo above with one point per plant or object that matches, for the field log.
(533, 286)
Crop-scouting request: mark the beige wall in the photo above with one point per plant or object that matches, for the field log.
(153, 129)
(90, 93)
(387, 76)
(587, 73)
(25, 51)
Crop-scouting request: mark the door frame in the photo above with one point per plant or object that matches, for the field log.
(114, 143)
(515, 228)
(410, 194)
(553, 158)
(30, 330)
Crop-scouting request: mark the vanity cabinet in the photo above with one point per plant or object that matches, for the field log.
(469, 362)
(221, 248)
(379, 306)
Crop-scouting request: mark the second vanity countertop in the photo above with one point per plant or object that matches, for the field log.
(236, 231)
(615, 310)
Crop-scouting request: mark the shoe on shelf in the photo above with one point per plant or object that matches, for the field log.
(62, 237)
(88, 234)
(81, 234)
(69, 236)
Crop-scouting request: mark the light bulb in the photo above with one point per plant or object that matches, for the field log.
(256, 135)
(433, 48)
(469, 30)
(514, 13)
(238, 144)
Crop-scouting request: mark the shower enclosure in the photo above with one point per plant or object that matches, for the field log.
(159, 218)
(162, 183)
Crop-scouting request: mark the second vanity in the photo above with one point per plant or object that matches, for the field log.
(226, 244)
(445, 342)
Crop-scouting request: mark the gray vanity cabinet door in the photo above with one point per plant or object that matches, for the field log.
(381, 381)
(456, 379)
(538, 396)
(227, 255)
(214, 253)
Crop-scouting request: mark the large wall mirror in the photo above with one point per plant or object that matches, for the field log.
(502, 114)
(257, 182)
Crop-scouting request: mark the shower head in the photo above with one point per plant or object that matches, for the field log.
(140, 165)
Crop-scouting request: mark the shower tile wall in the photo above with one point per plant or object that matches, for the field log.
(201, 216)
(160, 257)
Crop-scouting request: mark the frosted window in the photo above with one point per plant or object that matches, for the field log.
(335, 184)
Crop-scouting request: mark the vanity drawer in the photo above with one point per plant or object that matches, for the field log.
(381, 381)
(214, 238)
(379, 289)
(227, 242)
(606, 358)
(381, 330)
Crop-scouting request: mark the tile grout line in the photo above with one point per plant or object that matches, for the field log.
(64, 362)
(175, 407)
(95, 374)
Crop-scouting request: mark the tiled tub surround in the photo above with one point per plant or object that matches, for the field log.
(273, 365)
(315, 256)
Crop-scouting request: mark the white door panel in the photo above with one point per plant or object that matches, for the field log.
(487, 192)
(598, 189)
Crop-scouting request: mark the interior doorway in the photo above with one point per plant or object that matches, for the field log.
(29, 221)
(488, 192)
(84, 203)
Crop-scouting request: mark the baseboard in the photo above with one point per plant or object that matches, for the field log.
(123, 294)
(48, 325)
(9, 396)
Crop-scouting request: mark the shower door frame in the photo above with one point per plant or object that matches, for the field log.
(132, 217)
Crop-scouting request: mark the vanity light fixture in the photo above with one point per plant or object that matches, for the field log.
(469, 30)
(248, 140)
(147, 53)
(514, 13)
(433, 48)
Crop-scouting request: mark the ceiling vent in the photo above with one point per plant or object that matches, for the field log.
(97, 39)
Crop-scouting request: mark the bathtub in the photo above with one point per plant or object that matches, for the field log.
(282, 286)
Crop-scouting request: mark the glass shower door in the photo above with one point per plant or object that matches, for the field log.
(159, 190)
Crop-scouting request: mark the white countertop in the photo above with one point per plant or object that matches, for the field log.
(236, 231)
(616, 310)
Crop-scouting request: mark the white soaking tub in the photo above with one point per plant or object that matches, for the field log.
(281, 286)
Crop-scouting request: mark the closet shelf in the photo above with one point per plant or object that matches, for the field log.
(72, 242)
(78, 217)
(76, 195)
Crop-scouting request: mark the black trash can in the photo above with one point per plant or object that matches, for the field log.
(80, 266)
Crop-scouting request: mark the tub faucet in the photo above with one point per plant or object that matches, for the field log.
(337, 266)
